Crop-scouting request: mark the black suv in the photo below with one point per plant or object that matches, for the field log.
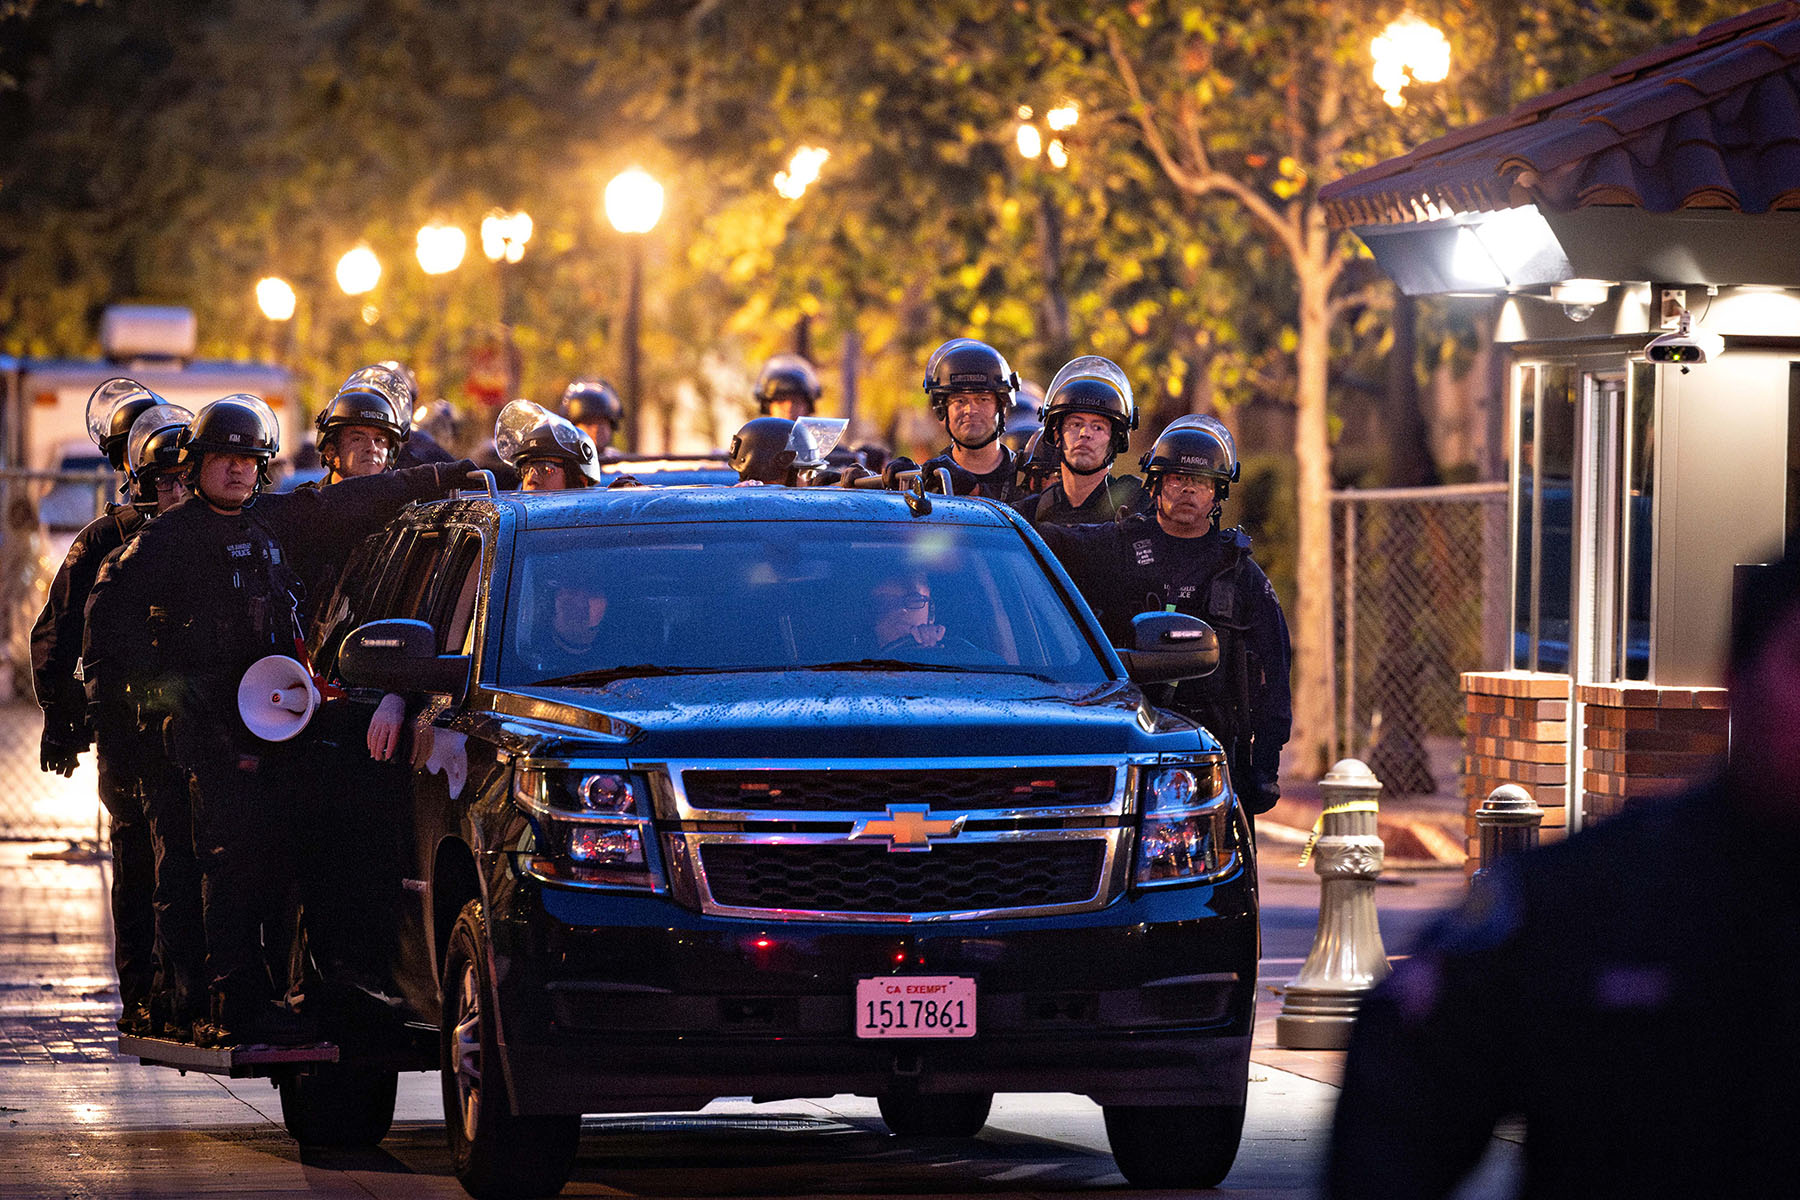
(780, 792)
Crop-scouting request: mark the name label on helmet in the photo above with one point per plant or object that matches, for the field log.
(234, 437)
(980, 377)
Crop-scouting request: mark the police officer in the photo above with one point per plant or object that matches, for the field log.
(775, 450)
(1024, 419)
(55, 662)
(1088, 419)
(787, 386)
(970, 388)
(1174, 557)
(550, 453)
(361, 428)
(1038, 465)
(175, 619)
(595, 409)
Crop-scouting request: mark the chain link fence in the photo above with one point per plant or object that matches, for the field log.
(1420, 593)
(40, 513)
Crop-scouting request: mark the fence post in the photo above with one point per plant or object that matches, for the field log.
(1347, 957)
(1508, 822)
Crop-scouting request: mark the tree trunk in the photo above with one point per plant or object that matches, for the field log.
(1310, 625)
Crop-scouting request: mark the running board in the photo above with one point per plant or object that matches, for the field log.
(238, 1062)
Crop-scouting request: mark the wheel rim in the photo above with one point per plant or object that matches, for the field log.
(465, 1048)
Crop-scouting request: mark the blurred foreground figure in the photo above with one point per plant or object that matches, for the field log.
(1631, 992)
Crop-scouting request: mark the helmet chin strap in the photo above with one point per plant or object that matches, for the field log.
(1106, 463)
(989, 440)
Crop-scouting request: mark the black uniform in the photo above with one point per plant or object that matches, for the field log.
(1133, 566)
(999, 484)
(55, 662)
(1629, 992)
(1115, 497)
(174, 621)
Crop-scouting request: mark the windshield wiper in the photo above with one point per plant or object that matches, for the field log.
(636, 671)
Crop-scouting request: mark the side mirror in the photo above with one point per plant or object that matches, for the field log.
(1168, 646)
(401, 656)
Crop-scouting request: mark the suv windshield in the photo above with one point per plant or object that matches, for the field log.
(586, 605)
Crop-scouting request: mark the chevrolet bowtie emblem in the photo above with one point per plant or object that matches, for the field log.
(909, 827)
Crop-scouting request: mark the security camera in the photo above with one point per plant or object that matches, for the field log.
(1687, 345)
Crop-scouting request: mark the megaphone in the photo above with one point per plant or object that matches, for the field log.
(276, 697)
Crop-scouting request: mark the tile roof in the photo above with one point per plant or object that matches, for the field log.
(1708, 122)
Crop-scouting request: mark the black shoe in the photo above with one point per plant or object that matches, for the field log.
(266, 1024)
(137, 1022)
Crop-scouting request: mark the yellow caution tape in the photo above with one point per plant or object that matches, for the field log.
(1318, 828)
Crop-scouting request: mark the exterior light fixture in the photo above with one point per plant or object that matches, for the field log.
(276, 298)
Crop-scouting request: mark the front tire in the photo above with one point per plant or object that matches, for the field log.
(959, 1115)
(339, 1105)
(1174, 1146)
(496, 1155)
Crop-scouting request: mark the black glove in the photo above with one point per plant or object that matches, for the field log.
(898, 465)
(1261, 792)
(57, 757)
(459, 475)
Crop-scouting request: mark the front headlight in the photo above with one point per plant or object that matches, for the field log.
(1186, 834)
(593, 826)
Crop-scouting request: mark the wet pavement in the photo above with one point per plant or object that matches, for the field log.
(77, 1121)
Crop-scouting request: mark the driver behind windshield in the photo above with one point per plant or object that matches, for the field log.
(567, 625)
(903, 614)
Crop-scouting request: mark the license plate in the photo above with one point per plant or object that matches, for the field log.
(915, 1006)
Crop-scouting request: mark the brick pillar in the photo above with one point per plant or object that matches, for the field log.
(1643, 740)
(1518, 732)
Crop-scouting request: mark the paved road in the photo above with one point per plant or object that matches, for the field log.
(77, 1121)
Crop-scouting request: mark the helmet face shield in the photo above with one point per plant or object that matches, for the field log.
(108, 397)
(144, 451)
(524, 430)
(376, 396)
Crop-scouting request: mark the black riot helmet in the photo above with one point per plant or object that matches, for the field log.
(235, 424)
(524, 432)
(374, 396)
(788, 375)
(1194, 445)
(1038, 462)
(763, 450)
(1025, 417)
(586, 401)
(152, 448)
(966, 365)
(111, 408)
(1096, 386)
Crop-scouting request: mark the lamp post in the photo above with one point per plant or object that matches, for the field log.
(440, 249)
(634, 204)
(1046, 143)
(503, 238)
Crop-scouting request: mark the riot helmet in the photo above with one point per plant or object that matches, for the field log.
(373, 396)
(153, 449)
(788, 377)
(111, 408)
(235, 424)
(408, 381)
(1024, 418)
(965, 365)
(1094, 385)
(1194, 445)
(1038, 462)
(526, 432)
(590, 401)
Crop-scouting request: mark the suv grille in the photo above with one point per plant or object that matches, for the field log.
(832, 878)
(870, 791)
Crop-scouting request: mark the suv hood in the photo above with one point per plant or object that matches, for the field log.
(866, 714)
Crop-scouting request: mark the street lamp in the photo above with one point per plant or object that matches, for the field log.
(358, 271)
(634, 203)
(1409, 50)
(276, 298)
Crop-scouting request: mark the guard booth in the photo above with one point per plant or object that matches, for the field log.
(1594, 218)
